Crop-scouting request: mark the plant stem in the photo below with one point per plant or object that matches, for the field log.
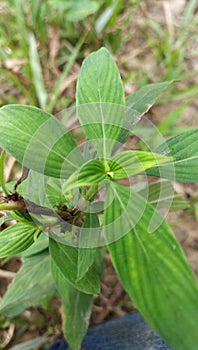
(12, 206)
(91, 193)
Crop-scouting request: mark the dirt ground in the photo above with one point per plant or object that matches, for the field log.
(113, 301)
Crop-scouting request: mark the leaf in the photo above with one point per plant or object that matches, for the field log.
(88, 242)
(129, 163)
(99, 80)
(30, 344)
(16, 238)
(29, 128)
(5, 218)
(139, 104)
(32, 284)
(38, 246)
(80, 9)
(143, 99)
(184, 149)
(104, 18)
(65, 260)
(100, 100)
(153, 270)
(91, 173)
(162, 195)
(77, 308)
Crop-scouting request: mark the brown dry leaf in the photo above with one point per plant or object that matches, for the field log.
(14, 65)
(6, 336)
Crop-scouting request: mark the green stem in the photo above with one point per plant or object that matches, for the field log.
(91, 193)
(14, 206)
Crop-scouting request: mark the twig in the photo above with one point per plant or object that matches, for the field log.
(7, 274)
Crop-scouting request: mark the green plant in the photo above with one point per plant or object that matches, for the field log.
(70, 206)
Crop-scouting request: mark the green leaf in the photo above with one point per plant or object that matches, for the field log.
(5, 218)
(100, 100)
(162, 195)
(38, 246)
(31, 285)
(43, 143)
(16, 238)
(153, 270)
(184, 149)
(80, 9)
(139, 104)
(77, 308)
(30, 344)
(104, 18)
(129, 163)
(99, 80)
(91, 173)
(143, 99)
(88, 241)
(65, 260)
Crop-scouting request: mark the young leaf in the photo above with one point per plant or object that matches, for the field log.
(100, 100)
(153, 270)
(65, 261)
(91, 173)
(129, 163)
(29, 128)
(77, 308)
(88, 241)
(16, 238)
(41, 244)
(184, 149)
(31, 285)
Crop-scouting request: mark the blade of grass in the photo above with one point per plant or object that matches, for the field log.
(64, 74)
(2, 179)
(37, 72)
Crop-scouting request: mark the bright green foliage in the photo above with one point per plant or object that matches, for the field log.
(86, 255)
(134, 162)
(184, 149)
(153, 270)
(100, 100)
(76, 307)
(161, 194)
(75, 195)
(14, 239)
(65, 260)
(29, 128)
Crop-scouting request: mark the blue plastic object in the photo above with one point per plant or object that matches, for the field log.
(129, 332)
